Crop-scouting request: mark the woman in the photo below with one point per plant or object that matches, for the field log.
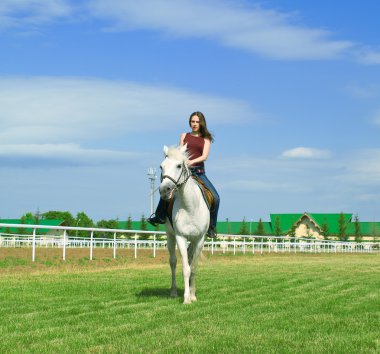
(198, 145)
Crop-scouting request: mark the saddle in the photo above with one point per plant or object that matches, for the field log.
(207, 196)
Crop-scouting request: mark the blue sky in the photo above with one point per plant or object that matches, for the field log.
(90, 91)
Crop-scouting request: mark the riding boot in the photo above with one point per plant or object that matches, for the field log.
(212, 228)
(159, 217)
(211, 232)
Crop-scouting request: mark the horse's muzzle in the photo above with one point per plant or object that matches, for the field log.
(166, 190)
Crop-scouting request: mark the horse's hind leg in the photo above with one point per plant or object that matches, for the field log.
(173, 264)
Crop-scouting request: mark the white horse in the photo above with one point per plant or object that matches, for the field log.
(190, 217)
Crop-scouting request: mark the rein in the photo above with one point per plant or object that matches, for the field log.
(176, 182)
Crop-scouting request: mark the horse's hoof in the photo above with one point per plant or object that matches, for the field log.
(173, 293)
(193, 298)
(187, 302)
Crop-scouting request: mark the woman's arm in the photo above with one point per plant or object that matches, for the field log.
(181, 139)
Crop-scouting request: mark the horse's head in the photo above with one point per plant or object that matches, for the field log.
(174, 170)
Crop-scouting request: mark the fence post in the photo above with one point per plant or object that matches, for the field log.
(262, 241)
(34, 245)
(234, 245)
(114, 245)
(64, 245)
(135, 245)
(154, 246)
(91, 244)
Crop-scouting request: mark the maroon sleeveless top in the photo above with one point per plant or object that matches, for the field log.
(195, 146)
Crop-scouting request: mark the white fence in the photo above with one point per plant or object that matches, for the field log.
(121, 239)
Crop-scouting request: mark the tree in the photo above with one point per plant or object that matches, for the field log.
(260, 228)
(37, 216)
(60, 215)
(292, 231)
(374, 232)
(309, 233)
(243, 227)
(342, 228)
(29, 216)
(106, 224)
(325, 229)
(143, 223)
(21, 230)
(82, 220)
(357, 232)
(228, 226)
(143, 227)
(66, 216)
(277, 226)
(129, 225)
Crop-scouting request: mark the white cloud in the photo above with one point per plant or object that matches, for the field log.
(266, 32)
(248, 175)
(347, 182)
(364, 168)
(306, 153)
(31, 13)
(269, 33)
(376, 118)
(370, 197)
(42, 110)
(363, 92)
(60, 154)
(260, 185)
(368, 57)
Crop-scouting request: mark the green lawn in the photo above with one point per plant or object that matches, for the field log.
(282, 303)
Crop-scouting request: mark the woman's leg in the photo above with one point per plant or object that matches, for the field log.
(159, 216)
(214, 210)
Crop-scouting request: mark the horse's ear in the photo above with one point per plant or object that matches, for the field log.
(166, 149)
(183, 148)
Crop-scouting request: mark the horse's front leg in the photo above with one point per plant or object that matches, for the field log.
(194, 265)
(173, 264)
(182, 247)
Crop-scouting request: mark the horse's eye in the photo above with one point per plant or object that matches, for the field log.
(179, 166)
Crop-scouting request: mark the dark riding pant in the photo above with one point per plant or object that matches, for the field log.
(200, 173)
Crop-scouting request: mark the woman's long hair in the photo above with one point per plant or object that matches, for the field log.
(205, 134)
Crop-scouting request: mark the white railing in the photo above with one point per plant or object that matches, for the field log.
(130, 239)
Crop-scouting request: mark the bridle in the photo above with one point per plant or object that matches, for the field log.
(176, 182)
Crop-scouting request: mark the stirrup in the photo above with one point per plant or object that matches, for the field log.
(211, 232)
(155, 220)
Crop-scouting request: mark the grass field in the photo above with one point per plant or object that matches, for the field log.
(278, 303)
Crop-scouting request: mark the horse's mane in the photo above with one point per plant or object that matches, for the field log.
(177, 153)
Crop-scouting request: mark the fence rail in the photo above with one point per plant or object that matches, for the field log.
(130, 239)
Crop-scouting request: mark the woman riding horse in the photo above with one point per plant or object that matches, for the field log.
(198, 146)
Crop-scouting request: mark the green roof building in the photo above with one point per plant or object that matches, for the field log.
(31, 222)
(315, 225)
